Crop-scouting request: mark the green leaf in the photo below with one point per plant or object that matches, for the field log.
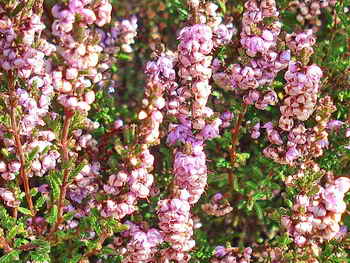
(69, 215)
(24, 211)
(9, 257)
(53, 215)
(40, 202)
(55, 182)
(77, 170)
(75, 259)
(222, 6)
(123, 56)
(18, 9)
(6, 220)
(259, 211)
(32, 154)
(42, 252)
(259, 196)
(16, 230)
(252, 185)
(67, 164)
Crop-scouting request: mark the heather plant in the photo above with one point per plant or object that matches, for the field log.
(174, 131)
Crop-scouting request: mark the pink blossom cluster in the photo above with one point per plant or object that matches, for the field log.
(309, 11)
(194, 56)
(73, 26)
(188, 100)
(253, 38)
(120, 37)
(124, 32)
(139, 179)
(18, 55)
(207, 13)
(44, 161)
(85, 184)
(231, 255)
(142, 245)
(218, 206)
(189, 166)
(302, 88)
(300, 142)
(316, 218)
(9, 198)
(264, 61)
(260, 41)
(22, 58)
(23, 52)
(177, 225)
(302, 82)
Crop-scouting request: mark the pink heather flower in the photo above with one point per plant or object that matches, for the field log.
(334, 124)
(220, 251)
(256, 131)
(179, 133)
(292, 154)
(88, 15)
(333, 200)
(274, 137)
(49, 162)
(285, 123)
(299, 240)
(304, 227)
(3, 167)
(9, 198)
(90, 97)
(71, 73)
(314, 72)
(347, 133)
(71, 102)
(268, 126)
(118, 124)
(211, 131)
(8, 176)
(36, 166)
(342, 184)
(14, 166)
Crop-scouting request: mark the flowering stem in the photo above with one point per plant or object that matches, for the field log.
(65, 158)
(235, 133)
(19, 149)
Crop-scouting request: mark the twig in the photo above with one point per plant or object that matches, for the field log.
(65, 158)
(19, 149)
(4, 244)
(235, 132)
(103, 237)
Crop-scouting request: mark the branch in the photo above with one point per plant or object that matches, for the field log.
(103, 237)
(65, 158)
(18, 143)
(4, 244)
(235, 132)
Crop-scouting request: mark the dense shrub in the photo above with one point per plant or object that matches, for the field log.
(174, 131)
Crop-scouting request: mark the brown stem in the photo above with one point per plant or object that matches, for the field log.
(235, 133)
(18, 143)
(15, 212)
(65, 158)
(100, 242)
(4, 244)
